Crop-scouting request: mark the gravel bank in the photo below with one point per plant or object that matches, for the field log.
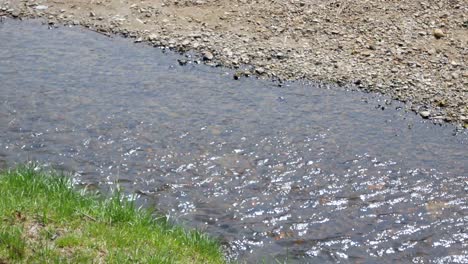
(415, 51)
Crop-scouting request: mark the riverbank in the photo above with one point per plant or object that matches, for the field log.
(43, 219)
(414, 51)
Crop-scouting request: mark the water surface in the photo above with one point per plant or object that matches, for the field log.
(304, 172)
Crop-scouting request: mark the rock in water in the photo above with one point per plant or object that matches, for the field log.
(260, 71)
(207, 56)
(182, 62)
(425, 114)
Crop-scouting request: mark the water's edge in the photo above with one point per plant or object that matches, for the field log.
(306, 170)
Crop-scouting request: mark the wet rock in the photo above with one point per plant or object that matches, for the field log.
(207, 56)
(425, 114)
(260, 71)
(436, 208)
(235, 162)
(182, 62)
(237, 75)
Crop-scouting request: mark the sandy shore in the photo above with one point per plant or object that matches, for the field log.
(415, 51)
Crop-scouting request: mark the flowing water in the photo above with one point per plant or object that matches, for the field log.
(305, 172)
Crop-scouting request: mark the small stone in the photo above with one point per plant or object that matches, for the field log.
(41, 7)
(207, 56)
(152, 37)
(441, 103)
(431, 51)
(260, 71)
(425, 114)
(240, 74)
(366, 53)
(280, 56)
(228, 52)
(237, 75)
(182, 62)
(438, 33)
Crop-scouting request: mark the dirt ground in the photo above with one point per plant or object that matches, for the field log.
(413, 50)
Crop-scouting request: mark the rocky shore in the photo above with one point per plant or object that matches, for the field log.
(415, 51)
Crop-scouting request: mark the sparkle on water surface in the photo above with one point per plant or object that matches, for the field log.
(299, 172)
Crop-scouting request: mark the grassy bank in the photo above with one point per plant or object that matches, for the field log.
(43, 219)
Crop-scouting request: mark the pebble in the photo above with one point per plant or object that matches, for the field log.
(280, 56)
(153, 37)
(425, 114)
(237, 75)
(207, 56)
(438, 33)
(41, 7)
(260, 71)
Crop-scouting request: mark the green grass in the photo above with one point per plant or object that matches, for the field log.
(43, 219)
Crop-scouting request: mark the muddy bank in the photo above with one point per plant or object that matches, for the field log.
(414, 51)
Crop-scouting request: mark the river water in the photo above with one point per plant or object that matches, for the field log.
(304, 173)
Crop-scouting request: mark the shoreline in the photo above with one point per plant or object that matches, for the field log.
(46, 219)
(430, 73)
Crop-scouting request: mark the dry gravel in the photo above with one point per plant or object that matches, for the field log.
(415, 51)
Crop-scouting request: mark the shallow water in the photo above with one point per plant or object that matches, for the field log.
(304, 173)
